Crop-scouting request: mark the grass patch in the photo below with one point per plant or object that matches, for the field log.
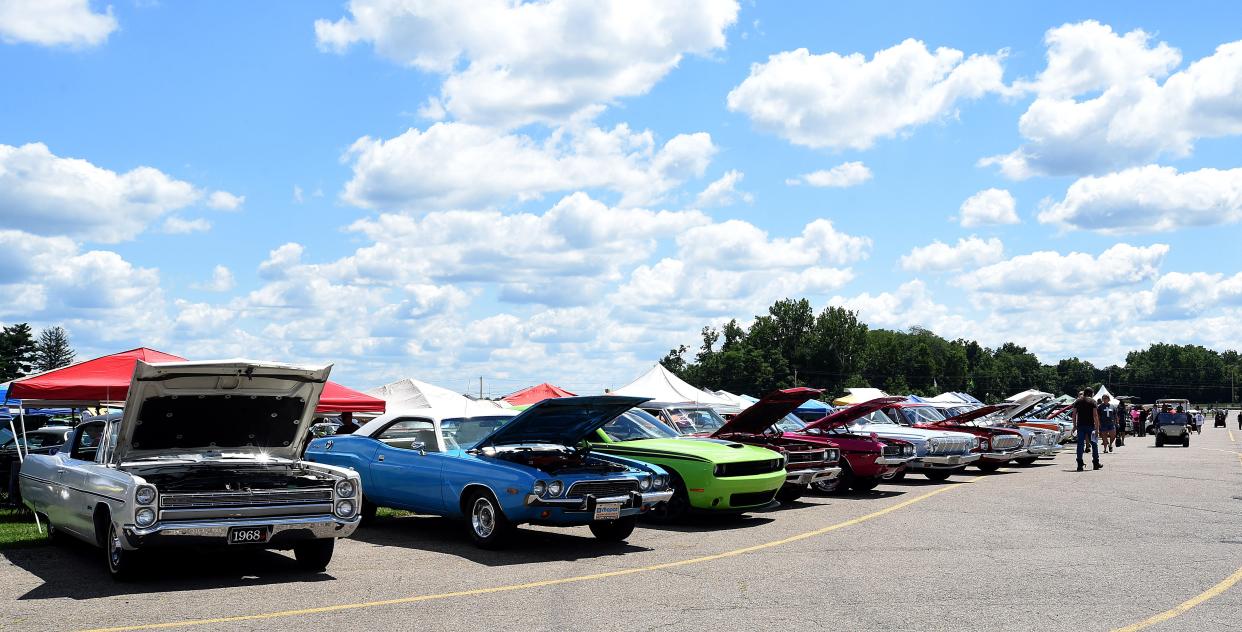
(17, 528)
(388, 512)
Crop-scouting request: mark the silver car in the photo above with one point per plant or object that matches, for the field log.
(205, 453)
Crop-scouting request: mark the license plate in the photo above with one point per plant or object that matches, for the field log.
(248, 535)
(608, 511)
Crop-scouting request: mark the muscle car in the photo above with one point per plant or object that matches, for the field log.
(997, 446)
(866, 458)
(45, 440)
(708, 475)
(500, 471)
(205, 453)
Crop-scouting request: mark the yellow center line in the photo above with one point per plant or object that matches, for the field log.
(1183, 607)
(1230, 432)
(543, 583)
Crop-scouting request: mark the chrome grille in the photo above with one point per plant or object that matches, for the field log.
(259, 498)
(808, 456)
(942, 445)
(1005, 442)
(602, 488)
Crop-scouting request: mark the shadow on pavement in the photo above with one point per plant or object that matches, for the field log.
(75, 570)
(696, 523)
(527, 546)
(874, 494)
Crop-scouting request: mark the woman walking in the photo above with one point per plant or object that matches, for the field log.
(1108, 423)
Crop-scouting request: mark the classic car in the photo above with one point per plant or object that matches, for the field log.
(938, 454)
(997, 446)
(1171, 427)
(708, 475)
(866, 458)
(205, 453)
(806, 462)
(499, 471)
(45, 440)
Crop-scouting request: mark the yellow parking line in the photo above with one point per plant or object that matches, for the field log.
(1230, 434)
(1186, 605)
(543, 583)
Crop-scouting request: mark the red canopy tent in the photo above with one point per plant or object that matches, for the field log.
(106, 379)
(536, 394)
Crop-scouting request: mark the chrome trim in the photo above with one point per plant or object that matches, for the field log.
(940, 462)
(260, 511)
(893, 460)
(815, 475)
(587, 502)
(192, 532)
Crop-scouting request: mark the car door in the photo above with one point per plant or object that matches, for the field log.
(78, 491)
(407, 469)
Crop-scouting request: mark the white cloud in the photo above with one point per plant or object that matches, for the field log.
(910, 305)
(970, 252)
(846, 101)
(1076, 273)
(988, 207)
(723, 192)
(1100, 105)
(298, 198)
(846, 174)
(1149, 199)
(1179, 295)
(54, 23)
(221, 280)
(739, 245)
(179, 226)
(225, 201)
(49, 195)
(457, 165)
(507, 63)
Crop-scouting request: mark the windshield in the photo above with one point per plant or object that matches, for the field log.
(1168, 419)
(790, 423)
(874, 417)
(920, 415)
(638, 424)
(466, 432)
(693, 420)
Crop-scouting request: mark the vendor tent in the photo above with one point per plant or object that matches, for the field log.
(536, 393)
(742, 402)
(661, 385)
(410, 394)
(813, 406)
(858, 396)
(1102, 391)
(106, 379)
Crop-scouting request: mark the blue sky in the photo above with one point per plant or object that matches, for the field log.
(563, 190)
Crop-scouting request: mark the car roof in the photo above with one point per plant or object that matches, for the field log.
(436, 415)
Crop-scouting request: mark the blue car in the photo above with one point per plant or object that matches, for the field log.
(502, 470)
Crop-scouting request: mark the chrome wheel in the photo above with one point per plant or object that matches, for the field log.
(483, 517)
(115, 550)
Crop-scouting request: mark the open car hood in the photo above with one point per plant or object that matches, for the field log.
(848, 414)
(562, 421)
(971, 415)
(760, 415)
(218, 407)
(1026, 405)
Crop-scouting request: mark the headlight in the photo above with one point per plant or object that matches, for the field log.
(644, 483)
(345, 488)
(659, 481)
(540, 488)
(144, 517)
(555, 488)
(145, 495)
(345, 508)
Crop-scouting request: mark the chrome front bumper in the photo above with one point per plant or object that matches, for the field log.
(1043, 450)
(1002, 457)
(893, 460)
(938, 462)
(814, 475)
(282, 533)
(588, 502)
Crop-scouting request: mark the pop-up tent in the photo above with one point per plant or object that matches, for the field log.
(661, 385)
(858, 396)
(106, 379)
(535, 394)
(410, 394)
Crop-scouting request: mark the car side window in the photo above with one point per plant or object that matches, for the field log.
(407, 434)
(86, 441)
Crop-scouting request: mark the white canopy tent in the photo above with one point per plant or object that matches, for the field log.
(1102, 391)
(661, 385)
(740, 401)
(1028, 392)
(410, 394)
(947, 398)
(859, 395)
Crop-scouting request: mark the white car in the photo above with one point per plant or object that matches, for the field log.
(205, 453)
(938, 454)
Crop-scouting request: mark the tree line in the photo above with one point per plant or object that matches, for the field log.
(21, 353)
(791, 345)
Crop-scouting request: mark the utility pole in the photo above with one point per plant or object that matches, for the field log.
(480, 387)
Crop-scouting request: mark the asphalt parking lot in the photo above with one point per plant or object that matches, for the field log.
(1156, 533)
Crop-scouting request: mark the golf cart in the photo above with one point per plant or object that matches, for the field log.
(1172, 427)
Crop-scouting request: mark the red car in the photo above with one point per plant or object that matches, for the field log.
(997, 446)
(806, 462)
(866, 459)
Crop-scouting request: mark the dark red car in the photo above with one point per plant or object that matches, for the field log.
(866, 459)
(807, 462)
(997, 446)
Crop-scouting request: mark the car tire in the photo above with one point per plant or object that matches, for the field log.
(939, 476)
(122, 564)
(50, 532)
(367, 513)
(788, 494)
(676, 507)
(861, 484)
(899, 476)
(314, 555)
(839, 483)
(486, 521)
(988, 467)
(1029, 460)
(1186, 441)
(614, 530)
(1159, 441)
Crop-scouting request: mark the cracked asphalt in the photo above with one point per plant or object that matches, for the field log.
(1033, 548)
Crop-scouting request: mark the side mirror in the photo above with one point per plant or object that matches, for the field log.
(420, 446)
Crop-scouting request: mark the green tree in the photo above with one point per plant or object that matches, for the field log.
(53, 350)
(17, 350)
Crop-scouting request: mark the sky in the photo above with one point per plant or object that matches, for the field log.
(563, 190)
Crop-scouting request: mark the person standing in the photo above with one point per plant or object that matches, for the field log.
(1143, 413)
(1123, 420)
(1240, 420)
(1087, 421)
(1107, 414)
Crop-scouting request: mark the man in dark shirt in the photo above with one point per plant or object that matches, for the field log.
(1142, 422)
(1087, 421)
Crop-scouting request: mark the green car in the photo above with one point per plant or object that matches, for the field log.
(707, 474)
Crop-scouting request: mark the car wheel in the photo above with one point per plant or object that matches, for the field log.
(838, 484)
(1027, 460)
(614, 530)
(488, 526)
(314, 555)
(677, 507)
(122, 564)
(53, 535)
(1159, 441)
(1186, 442)
(787, 494)
(367, 513)
(938, 475)
(988, 466)
(900, 475)
(861, 484)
